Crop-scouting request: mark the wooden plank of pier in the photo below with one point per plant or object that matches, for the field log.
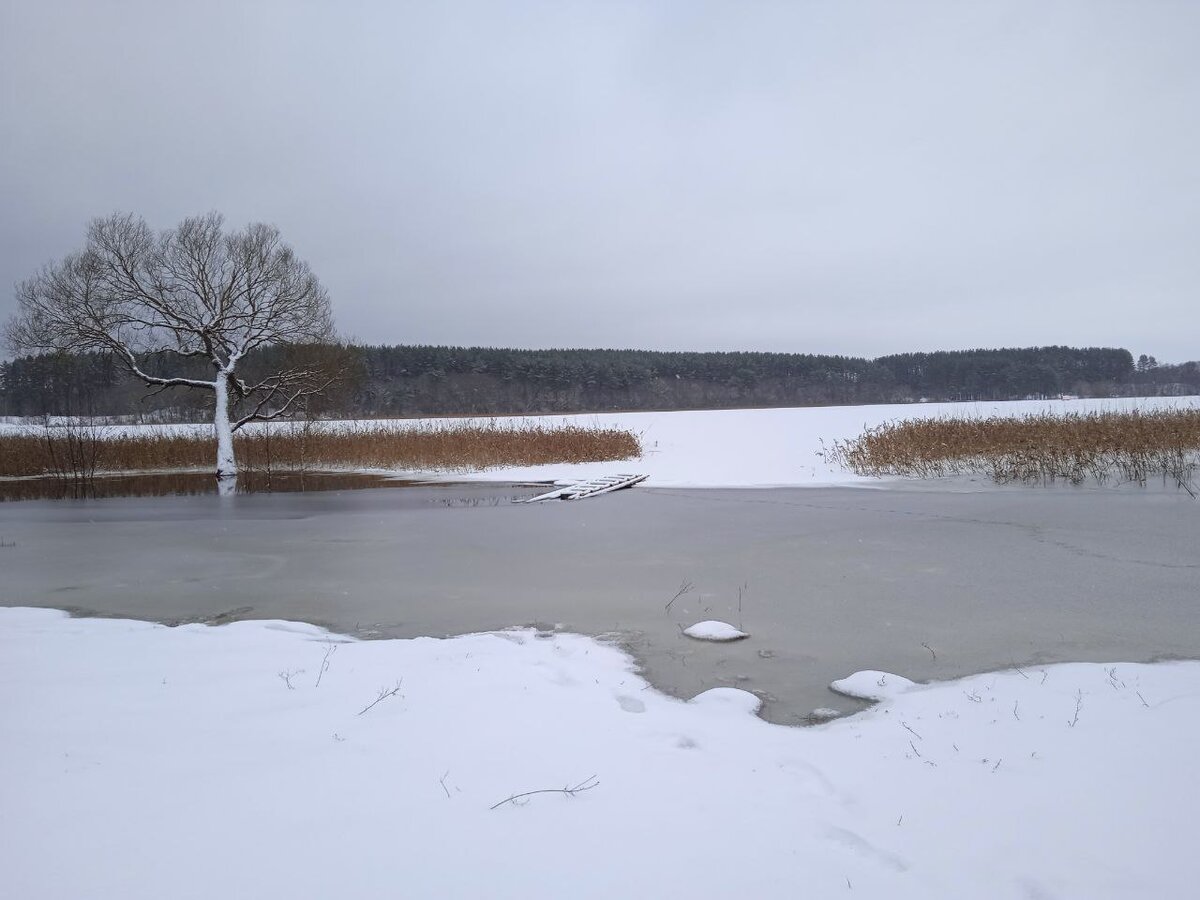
(590, 487)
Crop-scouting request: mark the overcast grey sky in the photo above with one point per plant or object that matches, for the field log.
(841, 177)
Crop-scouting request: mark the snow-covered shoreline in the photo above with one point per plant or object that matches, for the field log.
(146, 761)
(723, 448)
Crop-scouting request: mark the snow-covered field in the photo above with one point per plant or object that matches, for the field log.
(742, 447)
(782, 447)
(200, 762)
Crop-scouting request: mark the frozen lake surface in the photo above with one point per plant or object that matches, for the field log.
(932, 581)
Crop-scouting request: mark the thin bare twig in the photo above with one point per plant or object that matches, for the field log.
(586, 785)
(1078, 707)
(384, 693)
(329, 651)
(684, 587)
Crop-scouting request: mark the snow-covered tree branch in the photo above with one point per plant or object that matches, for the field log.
(194, 291)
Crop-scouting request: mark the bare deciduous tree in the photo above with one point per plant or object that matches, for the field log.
(193, 291)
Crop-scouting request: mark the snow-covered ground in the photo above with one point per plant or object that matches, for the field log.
(739, 447)
(200, 762)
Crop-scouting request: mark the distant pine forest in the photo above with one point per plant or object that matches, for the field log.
(383, 381)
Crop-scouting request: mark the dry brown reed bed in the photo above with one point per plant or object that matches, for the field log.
(83, 450)
(1100, 446)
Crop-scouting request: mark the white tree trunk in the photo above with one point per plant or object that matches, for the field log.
(226, 464)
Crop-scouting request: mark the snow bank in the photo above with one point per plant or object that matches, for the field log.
(872, 685)
(744, 447)
(728, 700)
(712, 630)
(198, 762)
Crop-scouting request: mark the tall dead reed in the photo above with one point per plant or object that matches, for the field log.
(1100, 446)
(454, 446)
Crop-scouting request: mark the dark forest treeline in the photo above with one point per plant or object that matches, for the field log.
(424, 380)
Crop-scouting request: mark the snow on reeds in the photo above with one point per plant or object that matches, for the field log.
(70, 449)
(1129, 446)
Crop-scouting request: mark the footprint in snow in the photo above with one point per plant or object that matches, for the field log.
(856, 843)
(631, 704)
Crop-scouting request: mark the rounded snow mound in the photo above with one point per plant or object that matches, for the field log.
(823, 714)
(728, 699)
(714, 631)
(872, 685)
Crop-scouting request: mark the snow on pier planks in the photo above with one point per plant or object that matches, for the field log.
(591, 487)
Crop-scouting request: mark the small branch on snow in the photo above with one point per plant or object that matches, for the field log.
(1143, 699)
(930, 649)
(919, 738)
(586, 785)
(1015, 716)
(330, 649)
(286, 676)
(1078, 707)
(442, 782)
(1019, 671)
(384, 693)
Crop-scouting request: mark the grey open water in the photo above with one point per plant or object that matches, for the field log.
(931, 581)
